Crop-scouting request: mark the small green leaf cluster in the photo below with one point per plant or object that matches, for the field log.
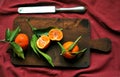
(9, 37)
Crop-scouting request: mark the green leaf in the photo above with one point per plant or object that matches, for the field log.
(72, 46)
(62, 48)
(17, 50)
(82, 51)
(46, 56)
(14, 34)
(42, 31)
(7, 34)
(33, 42)
(37, 51)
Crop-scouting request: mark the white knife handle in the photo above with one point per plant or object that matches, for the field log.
(80, 9)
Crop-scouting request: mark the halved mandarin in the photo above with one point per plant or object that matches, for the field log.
(43, 42)
(55, 34)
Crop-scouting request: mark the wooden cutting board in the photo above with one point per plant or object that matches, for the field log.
(72, 28)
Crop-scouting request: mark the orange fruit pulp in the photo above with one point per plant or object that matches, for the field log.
(22, 40)
(55, 34)
(68, 54)
(43, 42)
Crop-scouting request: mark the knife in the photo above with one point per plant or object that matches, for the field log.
(50, 9)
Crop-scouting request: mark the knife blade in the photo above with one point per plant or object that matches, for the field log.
(50, 9)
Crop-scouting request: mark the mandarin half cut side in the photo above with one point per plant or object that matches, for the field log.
(43, 42)
(55, 34)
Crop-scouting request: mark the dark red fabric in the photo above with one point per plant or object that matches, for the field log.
(104, 17)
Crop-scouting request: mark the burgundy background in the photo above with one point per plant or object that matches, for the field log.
(104, 16)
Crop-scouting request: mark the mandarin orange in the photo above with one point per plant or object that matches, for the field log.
(68, 54)
(22, 40)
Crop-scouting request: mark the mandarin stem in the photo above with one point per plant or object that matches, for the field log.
(31, 26)
(75, 42)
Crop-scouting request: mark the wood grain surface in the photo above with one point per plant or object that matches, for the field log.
(72, 28)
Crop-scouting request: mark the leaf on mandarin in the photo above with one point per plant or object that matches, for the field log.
(18, 50)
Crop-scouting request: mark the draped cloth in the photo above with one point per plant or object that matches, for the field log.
(104, 17)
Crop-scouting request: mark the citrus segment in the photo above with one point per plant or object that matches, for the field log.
(22, 40)
(43, 42)
(55, 34)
